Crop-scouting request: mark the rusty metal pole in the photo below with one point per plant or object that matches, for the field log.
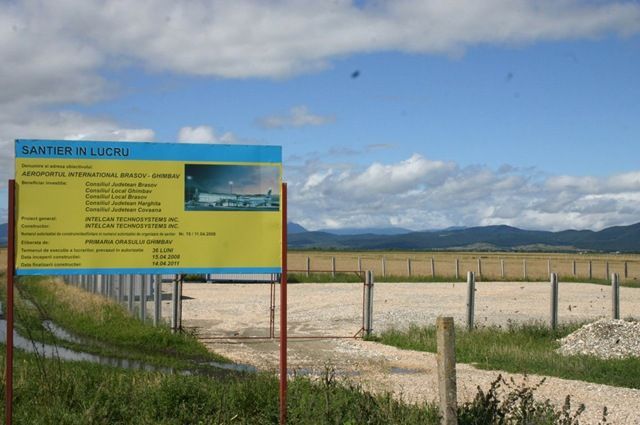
(283, 311)
(11, 267)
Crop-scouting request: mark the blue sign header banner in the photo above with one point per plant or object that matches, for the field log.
(147, 151)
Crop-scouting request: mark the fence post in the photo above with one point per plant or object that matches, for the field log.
(111, 279)
(308, 266)
(573, 267)
(180, 286)
(554, 300)
(590, 271)
(157, 298)
(548, 267)
(471, 299)
(479, 268)
(384, 268)
(606, 270)
(333, 266)
(502, 268)
(359, 265)
(615, 296)
(446, 360)
(626, 272)
(174, 305)
(457, 269)
(130, 294)
(433, 268)
(143, 297)
(118, 278)
(409, 266)
(114, 291)
(368, 303)
(524, 268)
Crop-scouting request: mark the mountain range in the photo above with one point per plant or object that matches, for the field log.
(486, 238)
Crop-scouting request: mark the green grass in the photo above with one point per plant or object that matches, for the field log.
(106, 327)
(53, 392)
(526, 348)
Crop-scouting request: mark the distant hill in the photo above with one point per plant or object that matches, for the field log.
(618, 238)
(294, 228)
(367, 231)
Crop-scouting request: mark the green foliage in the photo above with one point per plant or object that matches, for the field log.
(53, 392)
(516, 405)
(528, 348)
(332, 402)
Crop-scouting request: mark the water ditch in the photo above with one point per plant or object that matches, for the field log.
(211, 369)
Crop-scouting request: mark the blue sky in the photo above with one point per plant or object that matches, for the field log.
(418, 114)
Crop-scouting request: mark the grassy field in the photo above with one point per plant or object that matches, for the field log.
(522, 349)
(537, 264)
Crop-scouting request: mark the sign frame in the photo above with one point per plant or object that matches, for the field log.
(233, 230)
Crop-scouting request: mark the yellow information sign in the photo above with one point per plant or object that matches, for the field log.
(117, 207)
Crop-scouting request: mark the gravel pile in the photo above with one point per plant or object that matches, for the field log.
(605, 338)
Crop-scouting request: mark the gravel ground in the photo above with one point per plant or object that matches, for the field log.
(336, 310)
(605, 338)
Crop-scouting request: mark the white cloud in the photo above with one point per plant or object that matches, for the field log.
(411, 173)
(298, 116)
(283, 37)
(420, 193)
(204, 134)
(200, 134)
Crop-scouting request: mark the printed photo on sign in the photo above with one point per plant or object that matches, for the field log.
(218, 187)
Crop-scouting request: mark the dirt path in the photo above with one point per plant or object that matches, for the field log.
(335, 309)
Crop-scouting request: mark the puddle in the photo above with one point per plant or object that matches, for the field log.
(236, 367)
(61, 333)
(403, 371)
(303, 371)
(52, 351)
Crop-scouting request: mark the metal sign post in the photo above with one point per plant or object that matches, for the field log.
(283, 311)
(11, 267)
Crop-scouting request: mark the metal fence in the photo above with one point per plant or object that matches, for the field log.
(141, 294)
(490, 266)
